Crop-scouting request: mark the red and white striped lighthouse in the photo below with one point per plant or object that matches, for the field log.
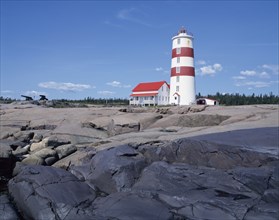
(182, 81)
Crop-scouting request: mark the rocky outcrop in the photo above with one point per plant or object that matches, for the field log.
(50, 193)
(185, 179)
(146, 169)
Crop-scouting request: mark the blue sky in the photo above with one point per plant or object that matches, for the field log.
(100, 49)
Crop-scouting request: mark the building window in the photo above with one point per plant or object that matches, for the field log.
(162, 88)
(177, 79)
(137, 98)
(178, 50)
(177, 88)
(178, 60)
(178, 41)
(178, 69)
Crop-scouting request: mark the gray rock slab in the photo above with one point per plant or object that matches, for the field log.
(126, 206)
(41, 192)
(264, 140)
(193, 190)
(203, 153)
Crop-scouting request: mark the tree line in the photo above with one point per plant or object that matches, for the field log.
(223, 99)
(242, 99)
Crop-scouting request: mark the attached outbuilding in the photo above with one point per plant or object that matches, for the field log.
(150, 93)
(207, 101)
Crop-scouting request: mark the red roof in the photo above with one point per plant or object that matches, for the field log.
(146, 94)
(149, 86)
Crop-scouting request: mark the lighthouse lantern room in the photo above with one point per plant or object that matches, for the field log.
(182, 80)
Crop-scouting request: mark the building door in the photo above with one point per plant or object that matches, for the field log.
(176, 99)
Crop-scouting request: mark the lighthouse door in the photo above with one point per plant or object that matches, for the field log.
(176, 98)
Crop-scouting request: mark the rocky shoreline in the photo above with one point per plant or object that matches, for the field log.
(193, 162)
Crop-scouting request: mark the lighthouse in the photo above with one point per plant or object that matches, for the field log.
(182, 80)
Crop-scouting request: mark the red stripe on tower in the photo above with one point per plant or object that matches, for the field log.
(183, 52)
(183, 71)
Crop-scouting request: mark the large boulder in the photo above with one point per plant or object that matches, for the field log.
(112, 170)
(41, 192)
(65, 150)
(33, 160)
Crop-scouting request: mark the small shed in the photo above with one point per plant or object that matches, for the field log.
(206, 101)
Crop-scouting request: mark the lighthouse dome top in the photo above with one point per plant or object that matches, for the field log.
(182, 30)
(183, 33)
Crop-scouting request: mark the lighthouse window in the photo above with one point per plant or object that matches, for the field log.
(178, 59)
(178, 69)
(177, 79)
(177, 88)
(178, 50)
(178, 41)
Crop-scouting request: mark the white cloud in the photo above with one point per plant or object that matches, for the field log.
(264, 75)
(260, 76)
(217, 67)
(248, 73)
(200, 62)
(106, 93)
(239, 77)
(255, 84)
(273, 68)
(64, 86)
(207, 70)
(211, 69)
(114, 84)
(158, 69)
(118, 84)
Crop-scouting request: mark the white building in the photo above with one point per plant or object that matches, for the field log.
(150, 93)
(181, 90)
(182, 81)
(207, 101)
